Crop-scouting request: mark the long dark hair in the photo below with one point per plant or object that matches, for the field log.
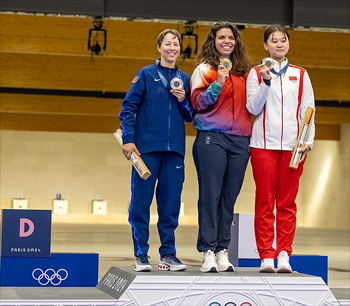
(239, 57)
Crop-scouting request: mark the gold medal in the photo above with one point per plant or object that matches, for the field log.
(226, 63)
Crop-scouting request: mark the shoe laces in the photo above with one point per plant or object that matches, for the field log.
(143, 258)
(209, 256)
(209, 253)
(222, 253)
(173, 257)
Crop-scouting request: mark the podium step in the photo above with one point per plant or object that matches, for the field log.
(244, 287)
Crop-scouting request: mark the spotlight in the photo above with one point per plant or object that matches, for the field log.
(189, 45)
(94, 33)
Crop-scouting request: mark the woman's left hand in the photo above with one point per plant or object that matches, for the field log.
(179, 93)
(303, 152)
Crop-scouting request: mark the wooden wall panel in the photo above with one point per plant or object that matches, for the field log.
(115, 74)
(72, 72)
(307, 48)
(330, 84)
(58, 123)
(32, 49)
(43, 52)
(43, 34)
(332, 115)
(327, 132)
(60, 105)
(105, 124)
(100, 115)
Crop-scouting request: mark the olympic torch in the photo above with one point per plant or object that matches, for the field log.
(304, 132)
(136, 160)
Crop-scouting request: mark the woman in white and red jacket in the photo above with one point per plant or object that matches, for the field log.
(279, 96)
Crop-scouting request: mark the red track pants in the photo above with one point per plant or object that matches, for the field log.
(275, 183)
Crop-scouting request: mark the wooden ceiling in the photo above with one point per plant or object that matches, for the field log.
(50, 53)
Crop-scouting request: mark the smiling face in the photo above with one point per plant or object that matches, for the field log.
(225, 42)
(277, 45)
(169, 50)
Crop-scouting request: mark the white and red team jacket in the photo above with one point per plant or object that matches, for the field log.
(280, 108)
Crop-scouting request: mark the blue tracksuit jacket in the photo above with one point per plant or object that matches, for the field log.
(159, 124)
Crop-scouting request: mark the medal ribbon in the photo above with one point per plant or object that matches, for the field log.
(283, 70)
(162, 78)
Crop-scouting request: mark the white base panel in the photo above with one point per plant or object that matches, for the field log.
(243, 288)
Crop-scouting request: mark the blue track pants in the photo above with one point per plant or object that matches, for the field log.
(168, 173)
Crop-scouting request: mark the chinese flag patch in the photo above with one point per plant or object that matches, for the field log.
(293, 78)
(135, 80)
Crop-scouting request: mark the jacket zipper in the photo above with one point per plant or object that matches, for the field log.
(281, 113)
(169, 113)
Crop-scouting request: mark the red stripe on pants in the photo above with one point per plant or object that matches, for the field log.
(275, 183)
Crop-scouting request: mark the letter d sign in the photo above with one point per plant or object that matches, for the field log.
(22, 223)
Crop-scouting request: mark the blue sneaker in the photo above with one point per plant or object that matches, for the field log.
(171, 262)
(142, 264)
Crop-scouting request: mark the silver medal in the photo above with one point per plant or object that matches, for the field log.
(176, 83)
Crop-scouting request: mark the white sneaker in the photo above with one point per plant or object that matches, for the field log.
(209, 262)
(283, 265)
(222, 261)
(267, 265)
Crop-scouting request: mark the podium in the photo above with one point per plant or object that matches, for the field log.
(244, 287)
(26, 258)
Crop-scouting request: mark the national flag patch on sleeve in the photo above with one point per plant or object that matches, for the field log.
(135, 80)
(293, 78)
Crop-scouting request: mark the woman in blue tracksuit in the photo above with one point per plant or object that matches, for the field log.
(158, 133)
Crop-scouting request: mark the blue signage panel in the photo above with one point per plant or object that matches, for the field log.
(59, 270)
(26, 233)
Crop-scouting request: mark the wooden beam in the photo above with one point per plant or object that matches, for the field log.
(72, 72)
(58, 105)
(106, 124)
(327, 132)
(115, 74)
(59, 123)
(332, 115)
(100, 115)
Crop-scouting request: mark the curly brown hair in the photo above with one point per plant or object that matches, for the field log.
(239, 57)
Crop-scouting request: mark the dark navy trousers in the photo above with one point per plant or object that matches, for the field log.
(168, 172)
(221, 161)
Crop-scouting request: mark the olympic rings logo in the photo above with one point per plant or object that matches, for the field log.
(50, 276)
(230, 304)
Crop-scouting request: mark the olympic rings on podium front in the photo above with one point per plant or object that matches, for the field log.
(50, 276)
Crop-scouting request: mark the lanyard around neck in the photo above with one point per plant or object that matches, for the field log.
(283, 70)
(162, 78)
